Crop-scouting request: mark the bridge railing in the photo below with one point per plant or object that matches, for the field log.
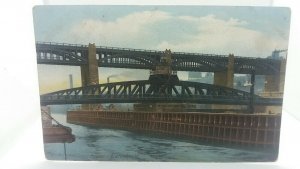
(126, 49)
(151, 51)
(129, 49)
(197, 54)
(61, 44)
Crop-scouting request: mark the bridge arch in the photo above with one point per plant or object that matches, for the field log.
(121, 59)
(57, 55)
(181, 61)
(205, 64)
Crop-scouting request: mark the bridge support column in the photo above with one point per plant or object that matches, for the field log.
(225, 78)
(275, 83)
(89, 72)
(274, 86)
(251, 104)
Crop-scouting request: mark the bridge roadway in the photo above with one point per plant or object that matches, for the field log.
(146, 92)
(76, 55)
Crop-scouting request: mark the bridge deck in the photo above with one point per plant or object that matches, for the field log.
(146, 92)
(74, 54)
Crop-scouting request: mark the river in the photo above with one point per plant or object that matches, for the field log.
(98, 144)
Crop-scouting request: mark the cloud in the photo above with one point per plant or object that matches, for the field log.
(226, 36)
(161, 30)
(131, 28)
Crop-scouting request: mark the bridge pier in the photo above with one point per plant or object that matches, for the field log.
(89, 72)
(275, 83)
(225, 78)
(274, 86)
(251, 106)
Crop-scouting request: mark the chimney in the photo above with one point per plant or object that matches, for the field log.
(71, 80)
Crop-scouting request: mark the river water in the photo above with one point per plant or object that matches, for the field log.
(98, 144)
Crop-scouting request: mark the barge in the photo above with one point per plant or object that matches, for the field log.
(242, 130)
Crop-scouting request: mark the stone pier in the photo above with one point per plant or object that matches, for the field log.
(274, 86)
(275, 83)
(89, 72)
(225, 78)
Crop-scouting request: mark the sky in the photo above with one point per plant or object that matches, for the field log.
(243, 31)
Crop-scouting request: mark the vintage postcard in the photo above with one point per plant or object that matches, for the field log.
(161, 83)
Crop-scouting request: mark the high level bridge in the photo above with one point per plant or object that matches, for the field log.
(77, 55)
(163, 85)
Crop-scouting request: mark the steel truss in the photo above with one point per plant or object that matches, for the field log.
(72, 54)
(147, 92)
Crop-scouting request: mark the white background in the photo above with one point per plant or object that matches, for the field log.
(20, 127)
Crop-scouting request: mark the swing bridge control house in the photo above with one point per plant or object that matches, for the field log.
(165, 105)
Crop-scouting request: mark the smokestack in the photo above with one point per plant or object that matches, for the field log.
(108, 79)
(71, 80)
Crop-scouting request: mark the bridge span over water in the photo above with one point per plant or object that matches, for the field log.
(146, 92)
(77, 55)
(163, 85)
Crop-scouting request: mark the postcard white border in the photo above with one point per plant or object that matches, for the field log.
(20, 127)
